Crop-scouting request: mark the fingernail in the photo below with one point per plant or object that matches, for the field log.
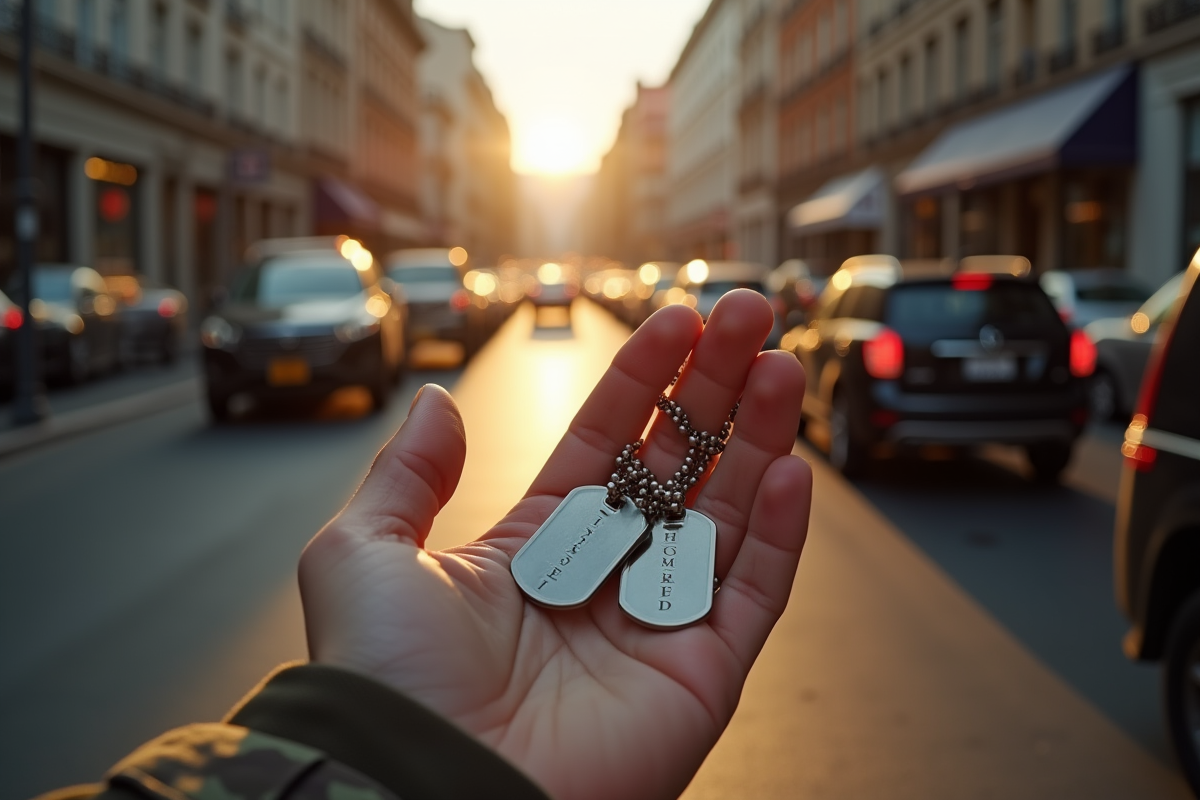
(416, 397)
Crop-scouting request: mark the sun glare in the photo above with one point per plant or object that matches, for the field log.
(550, 147)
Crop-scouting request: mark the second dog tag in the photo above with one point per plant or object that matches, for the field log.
(577, 548)
(669, 583)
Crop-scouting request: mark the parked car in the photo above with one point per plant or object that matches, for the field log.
(1083, 296)
(304, 322)
(78, 321)
(11, 317)
(153, 318)
(974, 357)
(794, 292)
(440, 306)
(1157, 535)
(1123, 347)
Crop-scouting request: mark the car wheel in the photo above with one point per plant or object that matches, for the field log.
(1102, 396)
(846, 453)
(79, 357)
(218, 406)
(1181, 689)
(1048, 460)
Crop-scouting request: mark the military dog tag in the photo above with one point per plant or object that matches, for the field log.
(577, 548)
(669, 583)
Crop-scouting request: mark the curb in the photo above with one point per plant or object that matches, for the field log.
(114, 412)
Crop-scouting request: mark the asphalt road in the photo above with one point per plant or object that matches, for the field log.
(951, 634)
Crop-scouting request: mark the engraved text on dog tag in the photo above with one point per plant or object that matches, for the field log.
(669, 584)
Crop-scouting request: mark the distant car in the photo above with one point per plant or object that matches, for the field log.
(1083, 296)
(304, 322)
(440, 306)
(1157, 539)
(794, 291)
(78, 321)
(1123, 347)
(970, 358)
(556, 285)
(153, 318)
(700, 284)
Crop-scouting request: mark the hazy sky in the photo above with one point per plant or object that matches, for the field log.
(563, 70)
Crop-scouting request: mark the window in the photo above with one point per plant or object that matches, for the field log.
(259, 110)
(962, 57)
(158, 42)
(193, 57)
(233, 83)
(881, 98)
(1067, 24)
(85, 31)
(904, 108)
(281, 105)
(839, 124)
(931, 75)
(1114, 16)
(841, 26)
(118, 33)
(823, 40)
(995, 43)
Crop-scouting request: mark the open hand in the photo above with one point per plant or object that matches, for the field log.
(586, 702)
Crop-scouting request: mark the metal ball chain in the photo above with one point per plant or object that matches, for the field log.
(632, 479)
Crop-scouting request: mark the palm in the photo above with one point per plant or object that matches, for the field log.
(584, 700)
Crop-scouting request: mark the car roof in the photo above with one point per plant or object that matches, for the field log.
(420, 257)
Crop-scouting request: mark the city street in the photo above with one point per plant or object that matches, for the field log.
(952, 632)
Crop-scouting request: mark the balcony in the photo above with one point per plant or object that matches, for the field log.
(1110, 37)
(1061, 59)
(1166, 13)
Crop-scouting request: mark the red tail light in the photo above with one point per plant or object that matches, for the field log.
(168, 307)
(971, 281)
(883, 356)
(12, 318)
(1083, 355)
(460, 300)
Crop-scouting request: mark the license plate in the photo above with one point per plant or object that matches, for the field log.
(288, 372)
(990, 369)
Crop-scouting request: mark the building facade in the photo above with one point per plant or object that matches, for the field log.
(703, 137)
(755, 216)
(164, 129)
(624, 215)
(468, 188)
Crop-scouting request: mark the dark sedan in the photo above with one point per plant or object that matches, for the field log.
(304, 323)
(153, 318)
(78, 321)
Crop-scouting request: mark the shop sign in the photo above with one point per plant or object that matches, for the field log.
(252, 165)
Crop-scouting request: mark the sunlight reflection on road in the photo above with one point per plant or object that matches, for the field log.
(517, 397)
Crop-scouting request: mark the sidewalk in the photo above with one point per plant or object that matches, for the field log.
(102, 402)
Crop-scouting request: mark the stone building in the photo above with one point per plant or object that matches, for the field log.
(756, 216)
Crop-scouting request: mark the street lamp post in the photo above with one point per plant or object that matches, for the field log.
(29, 403)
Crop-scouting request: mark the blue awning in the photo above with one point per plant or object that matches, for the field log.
(1091, 122)
(848, 202)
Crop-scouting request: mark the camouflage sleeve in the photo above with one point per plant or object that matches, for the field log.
(229, 762)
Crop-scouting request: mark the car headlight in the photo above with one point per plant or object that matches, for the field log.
(360, 327)
(218, 333)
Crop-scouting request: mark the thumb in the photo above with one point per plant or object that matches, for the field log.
(414, 475)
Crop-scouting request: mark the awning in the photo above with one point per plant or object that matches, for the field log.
(850, 202)
(1091, 122)
(339, 202)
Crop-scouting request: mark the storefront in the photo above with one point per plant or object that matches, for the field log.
(841, 219)
(1048, 178)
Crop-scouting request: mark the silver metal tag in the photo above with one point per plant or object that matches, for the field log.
(669, 583)
(575, 550)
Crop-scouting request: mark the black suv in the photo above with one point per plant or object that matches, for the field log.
(1157, 548)
(935, 356)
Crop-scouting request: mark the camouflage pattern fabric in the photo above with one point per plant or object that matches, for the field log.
(229, 762)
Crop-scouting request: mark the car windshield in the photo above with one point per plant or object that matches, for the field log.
(278, 283)
(424, 274)
(52, 284)
(942, 307)
(722, 287)
(1113, 292)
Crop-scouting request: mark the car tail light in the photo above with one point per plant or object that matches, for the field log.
(168, 307)
(883, 418)
(1083, 355)
(1140, 455)
(460, 300)
(971, 281)
(12, 318)
(883, 356)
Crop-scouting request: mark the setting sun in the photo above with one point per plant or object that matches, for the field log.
(550, 147)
